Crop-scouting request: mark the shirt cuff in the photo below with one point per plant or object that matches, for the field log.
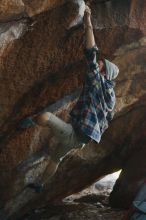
(91, 49)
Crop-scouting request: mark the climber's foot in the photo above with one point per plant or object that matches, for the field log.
(26, 123)
(38, 188)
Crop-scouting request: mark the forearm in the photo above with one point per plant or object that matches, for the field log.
(89, 35)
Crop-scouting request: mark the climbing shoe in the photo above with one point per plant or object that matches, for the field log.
(26, 123)
(38, 188)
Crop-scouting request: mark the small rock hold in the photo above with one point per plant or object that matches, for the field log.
(79, 15)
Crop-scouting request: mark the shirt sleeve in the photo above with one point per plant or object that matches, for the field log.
(90, 54)
(92, 75)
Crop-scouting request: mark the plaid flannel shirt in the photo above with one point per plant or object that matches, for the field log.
(96, 101)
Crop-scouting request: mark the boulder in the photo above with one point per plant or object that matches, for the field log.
(42, 61)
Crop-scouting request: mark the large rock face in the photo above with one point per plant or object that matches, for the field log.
(40, 62)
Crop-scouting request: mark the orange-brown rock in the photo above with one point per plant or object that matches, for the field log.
(40, 62)
(16, 9)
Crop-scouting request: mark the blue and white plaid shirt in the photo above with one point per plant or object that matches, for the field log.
(96, 101)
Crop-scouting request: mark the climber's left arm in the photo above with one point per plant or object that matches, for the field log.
(89, 35)
(91, 49)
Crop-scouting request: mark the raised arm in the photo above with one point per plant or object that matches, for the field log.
(89, 35)
(91, 49)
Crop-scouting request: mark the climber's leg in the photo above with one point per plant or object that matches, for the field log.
(50, 170)
(64, 132)
(59, 152)
(67, 140)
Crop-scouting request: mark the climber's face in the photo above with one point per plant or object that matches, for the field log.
(102, 68)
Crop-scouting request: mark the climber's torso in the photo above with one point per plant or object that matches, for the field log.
(96, 100)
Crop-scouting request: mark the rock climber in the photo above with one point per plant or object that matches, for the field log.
(90, 116)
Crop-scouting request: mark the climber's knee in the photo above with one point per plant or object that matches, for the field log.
(42, 119)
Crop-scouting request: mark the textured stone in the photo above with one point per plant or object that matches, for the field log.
(75, 211)
(40, 62)
(11, 9)
(132, 176)
(17, 9)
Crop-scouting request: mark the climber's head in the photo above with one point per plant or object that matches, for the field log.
(108, 68)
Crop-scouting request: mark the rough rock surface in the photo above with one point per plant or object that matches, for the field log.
(91, 204)
(75, 212)
(40, 62)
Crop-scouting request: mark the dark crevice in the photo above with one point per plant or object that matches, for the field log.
(15, 19)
